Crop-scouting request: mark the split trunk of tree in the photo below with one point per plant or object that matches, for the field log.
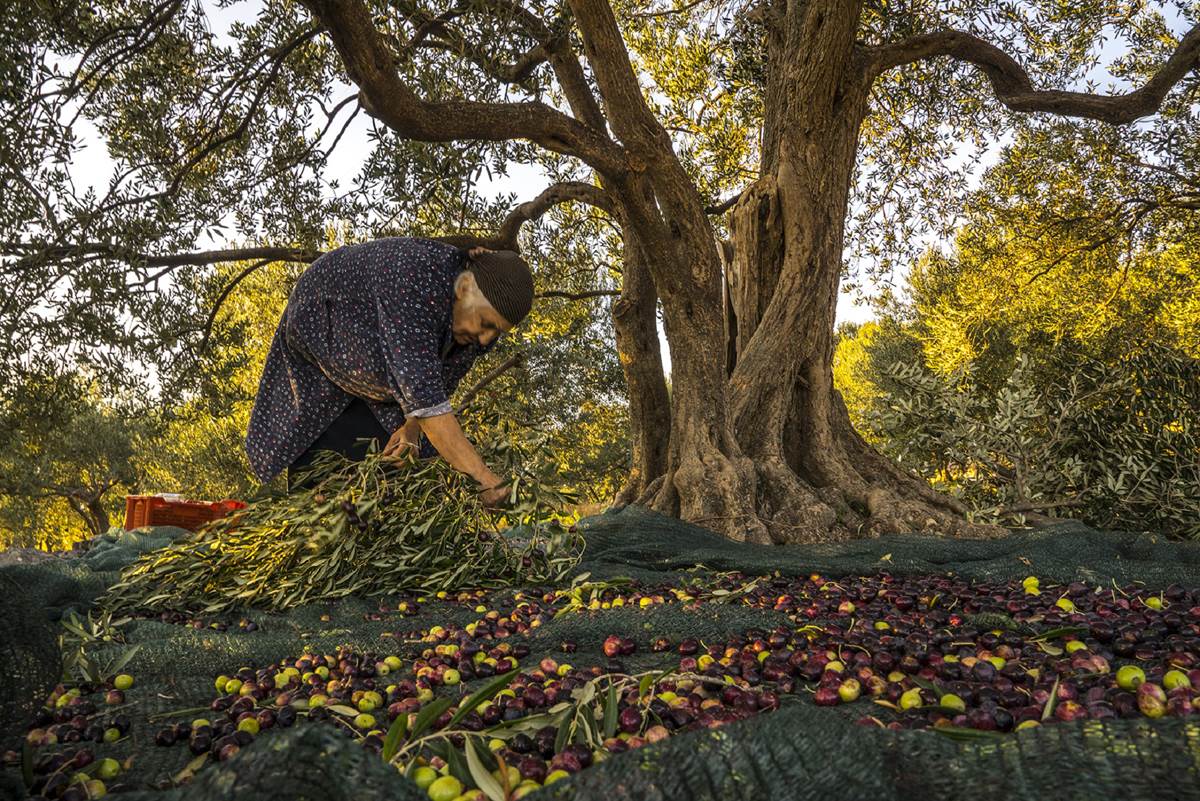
(635, 321)
(770, 454)
(90, 508)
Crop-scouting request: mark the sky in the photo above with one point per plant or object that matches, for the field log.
(92, 167)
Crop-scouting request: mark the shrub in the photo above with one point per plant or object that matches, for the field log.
(1115, 445)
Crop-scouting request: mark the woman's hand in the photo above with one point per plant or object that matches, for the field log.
(405, 441)
(495, 497)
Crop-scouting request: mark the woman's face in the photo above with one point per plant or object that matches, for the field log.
(473, 320)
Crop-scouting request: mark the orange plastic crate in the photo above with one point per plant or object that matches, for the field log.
(155, 510)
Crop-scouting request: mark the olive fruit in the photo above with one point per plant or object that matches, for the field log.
(629, 719)
(1130, 676)
(827, 696)
(1173, 679)
(952, 702)
(1151, 700)
(532, 768)
(424, 776)
(444, 789)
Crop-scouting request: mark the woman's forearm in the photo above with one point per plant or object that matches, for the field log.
(412, 429)
(447, 436)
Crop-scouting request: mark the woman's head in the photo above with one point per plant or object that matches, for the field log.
(492, 295)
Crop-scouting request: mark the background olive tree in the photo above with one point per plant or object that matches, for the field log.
(1048, 363)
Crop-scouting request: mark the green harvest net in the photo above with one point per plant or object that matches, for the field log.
(799, 751)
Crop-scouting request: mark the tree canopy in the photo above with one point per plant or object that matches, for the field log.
(726, 160)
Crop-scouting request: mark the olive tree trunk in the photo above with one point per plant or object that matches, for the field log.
(89, 506)
(784, 464)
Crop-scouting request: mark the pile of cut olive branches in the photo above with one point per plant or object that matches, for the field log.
(375, 527)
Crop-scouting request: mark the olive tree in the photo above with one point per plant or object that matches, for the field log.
(825, 99)
(63, 446)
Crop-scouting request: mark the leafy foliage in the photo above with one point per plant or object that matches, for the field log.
(933, 122)
(81, 638)
(65, 455)
(1115, 444)
(1048, 362)
(372, 528)
(201, 448)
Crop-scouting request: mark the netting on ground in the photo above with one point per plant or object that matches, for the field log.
(799, 751)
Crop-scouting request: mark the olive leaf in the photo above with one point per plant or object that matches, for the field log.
(965, 734)
(484, 693)
(1064, 631)
(458, 768)
(428, 714)
(27, 762)
(190, 771)
(564, 732)
(396, 734)
(1048, 709)
(1052, 650)
(483, 779)
(610, 711)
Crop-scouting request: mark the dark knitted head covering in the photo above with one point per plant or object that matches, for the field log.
(504, 279)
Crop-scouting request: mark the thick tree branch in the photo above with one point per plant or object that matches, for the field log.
(506, 237)
(29, 252)
(552, 196)
(724, 205)
(387, 97)
(574, 84)
(1038, 506)
(631, 119)
(1014, 89)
